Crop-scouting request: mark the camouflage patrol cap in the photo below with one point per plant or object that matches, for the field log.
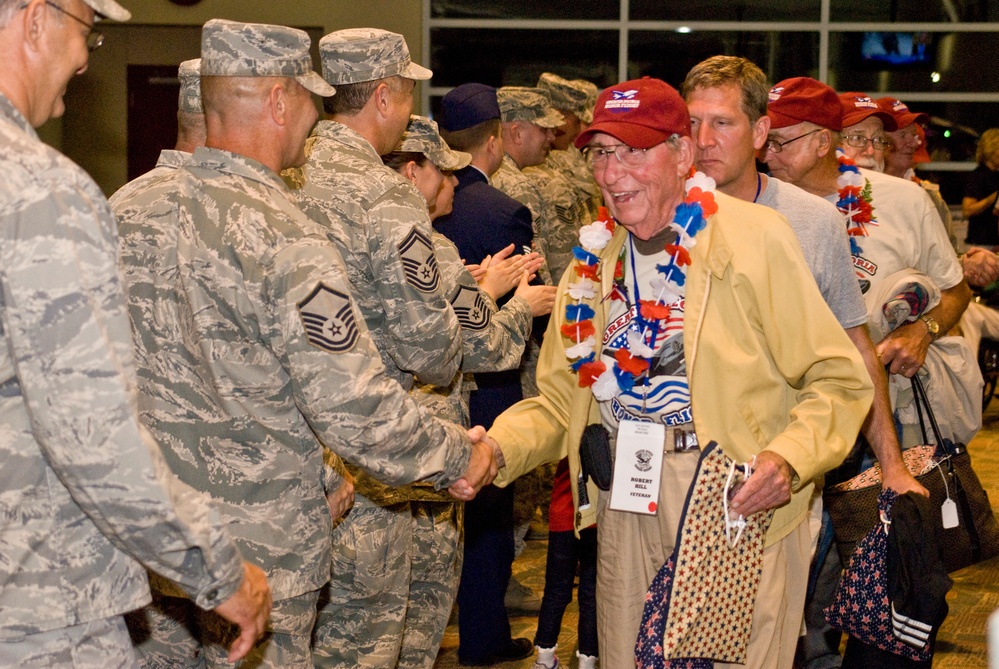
(423, 137)
(109, 9)
(592, 92)
(520, 103)
(233, 49)
(356, 55)
(566, 95)
(190, 87)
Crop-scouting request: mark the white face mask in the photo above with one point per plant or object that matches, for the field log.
(732, 485)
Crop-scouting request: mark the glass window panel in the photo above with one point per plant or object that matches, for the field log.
(912, 11)
(526, 9)
(670, 55)
(518, 57)
(905, 61)
(726, 10)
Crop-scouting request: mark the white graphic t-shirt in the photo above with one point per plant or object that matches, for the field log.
(664, 395)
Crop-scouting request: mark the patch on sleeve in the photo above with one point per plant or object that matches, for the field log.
(471, 309)
(329, 320)
(419, 262)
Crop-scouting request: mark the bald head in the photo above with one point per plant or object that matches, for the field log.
(265, 118)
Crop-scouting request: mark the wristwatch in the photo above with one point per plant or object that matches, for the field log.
(931, 325)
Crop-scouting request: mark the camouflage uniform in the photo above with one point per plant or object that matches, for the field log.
(381, 222)
(86, 495)
(251, 347)
(577, 97)
(572, 165)
(528, 104)
(492, 341)
(189, 100)
(571, 213)
(168, 161)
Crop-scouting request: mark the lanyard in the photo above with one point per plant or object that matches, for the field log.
(642, 324)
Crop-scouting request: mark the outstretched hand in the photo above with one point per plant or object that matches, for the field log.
(482, 468)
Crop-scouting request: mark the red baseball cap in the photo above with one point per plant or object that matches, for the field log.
(860, 106)
(803, 99)
(641, 113)
(900, 112)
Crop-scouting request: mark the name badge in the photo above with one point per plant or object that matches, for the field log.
(638, 461)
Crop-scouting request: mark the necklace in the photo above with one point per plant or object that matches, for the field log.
(632, 360)
(854, 201)
(759, 186)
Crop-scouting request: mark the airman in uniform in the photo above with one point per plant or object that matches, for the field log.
(190, 131)
(492, 340)
(574, 99)
(87, 501)
(381, 223)
(252, 349)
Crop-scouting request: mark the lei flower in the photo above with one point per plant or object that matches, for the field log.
(633, 360)
(854, 200)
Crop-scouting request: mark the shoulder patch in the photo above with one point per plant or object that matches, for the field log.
(419, 262)
(329, 320)
(471, 309)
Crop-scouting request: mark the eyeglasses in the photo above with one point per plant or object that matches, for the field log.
(861, 142)
(596, 155)
(776, 146)
(94, 38)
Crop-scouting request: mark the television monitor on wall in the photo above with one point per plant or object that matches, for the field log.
(896, 48)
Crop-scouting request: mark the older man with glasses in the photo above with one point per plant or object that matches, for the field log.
(618, 363)
(893, 223)
(88, 502)
(865, 131)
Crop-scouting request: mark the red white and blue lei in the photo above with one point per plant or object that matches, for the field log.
(633, 360)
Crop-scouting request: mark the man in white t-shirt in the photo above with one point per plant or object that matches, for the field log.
(904, 232)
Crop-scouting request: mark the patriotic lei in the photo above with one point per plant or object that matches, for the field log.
(633, 360)
(854, 200)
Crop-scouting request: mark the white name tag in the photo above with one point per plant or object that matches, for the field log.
(638, 462)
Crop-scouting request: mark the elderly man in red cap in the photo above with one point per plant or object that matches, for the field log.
(618, 364)
(893, 223)
(865, 131)
(907, 148)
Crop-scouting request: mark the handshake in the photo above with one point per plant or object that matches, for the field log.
(485, 463)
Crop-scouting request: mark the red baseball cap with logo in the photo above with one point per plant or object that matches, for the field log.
(860, 106)
(804, 100)
(900, 112)
(641, 113)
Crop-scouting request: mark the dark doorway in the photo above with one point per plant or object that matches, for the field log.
(152, 114)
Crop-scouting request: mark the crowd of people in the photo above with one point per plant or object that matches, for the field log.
(266, 407)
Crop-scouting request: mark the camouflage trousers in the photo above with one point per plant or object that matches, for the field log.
(98, 644)
(434, 576)
(173, 633)
(394, 577)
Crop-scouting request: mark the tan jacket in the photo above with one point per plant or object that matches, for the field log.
(769, 367)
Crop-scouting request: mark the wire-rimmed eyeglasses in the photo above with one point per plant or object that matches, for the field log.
(596, 155)
(94, 38)
(776, 146)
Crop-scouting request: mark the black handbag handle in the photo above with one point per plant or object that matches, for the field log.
(944, 446)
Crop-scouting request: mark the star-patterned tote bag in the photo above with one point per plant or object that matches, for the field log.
(699, 607)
